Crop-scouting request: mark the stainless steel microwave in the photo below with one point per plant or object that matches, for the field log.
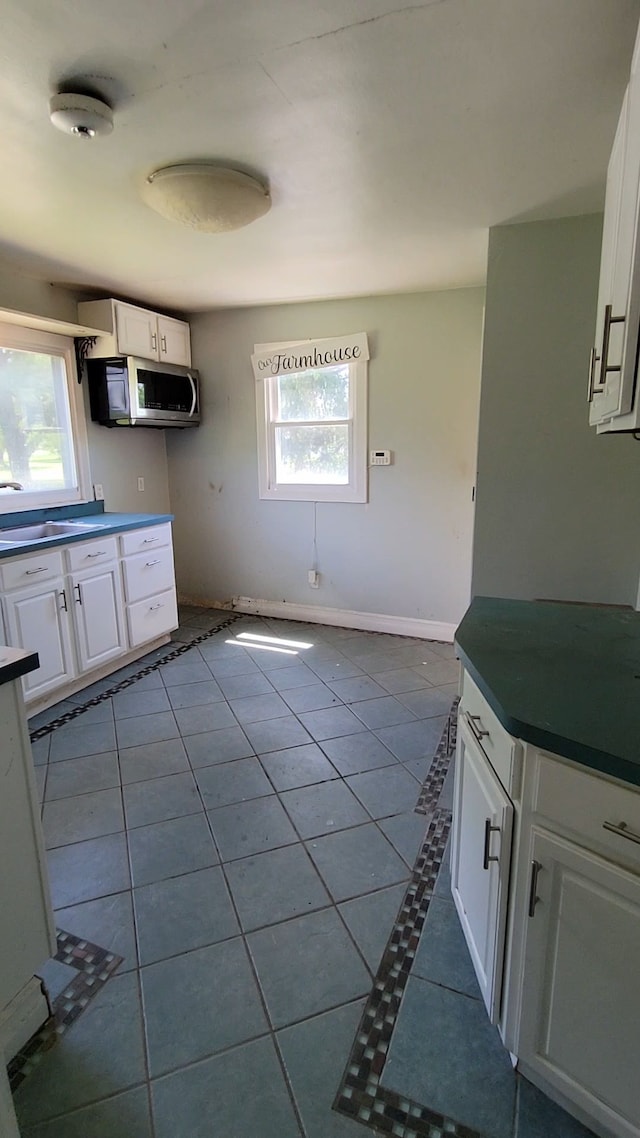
(126, 391)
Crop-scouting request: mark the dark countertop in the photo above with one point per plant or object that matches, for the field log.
(101, 522)
(16, 662)
(565, 677)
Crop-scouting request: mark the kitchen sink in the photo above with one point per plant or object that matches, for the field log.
(44, 530)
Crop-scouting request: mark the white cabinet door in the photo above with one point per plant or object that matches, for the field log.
(480, 862)
(615, 362)
(37, 619)
(580, 1018)
(605, 389)
(98, 609)
(174, 341)
(137, 332)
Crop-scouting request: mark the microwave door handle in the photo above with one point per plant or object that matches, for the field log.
(194, 395)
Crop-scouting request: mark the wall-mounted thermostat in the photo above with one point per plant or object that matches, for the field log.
(380, 458)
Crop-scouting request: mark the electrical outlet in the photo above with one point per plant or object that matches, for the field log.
(98, 491)
(141, 484)
(313, 577)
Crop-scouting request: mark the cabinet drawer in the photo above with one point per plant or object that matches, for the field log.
(148, 573)
(152, 617)
(84, 554)
(500, 748)
(27, 571)
(582, 803)
(139, 540)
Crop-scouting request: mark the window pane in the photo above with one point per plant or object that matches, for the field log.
(35, 426)
(310, 395)
(313, 455)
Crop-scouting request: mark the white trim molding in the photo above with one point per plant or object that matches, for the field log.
(345, 618)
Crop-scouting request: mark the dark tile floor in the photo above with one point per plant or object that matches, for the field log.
(239, 827)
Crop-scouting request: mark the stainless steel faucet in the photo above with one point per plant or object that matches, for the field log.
(11, 485)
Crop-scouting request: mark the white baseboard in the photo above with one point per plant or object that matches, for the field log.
(346, 618)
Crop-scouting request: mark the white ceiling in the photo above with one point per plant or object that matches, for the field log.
(392, 134)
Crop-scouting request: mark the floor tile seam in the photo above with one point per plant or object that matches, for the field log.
(437, 983)
(77, 842)
(81, 793)
(172, 956)
(69, 1114)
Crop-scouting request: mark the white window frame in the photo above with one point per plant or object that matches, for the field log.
(33, 340)
(356, 489)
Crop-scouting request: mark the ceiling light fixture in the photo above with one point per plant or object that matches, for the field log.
(210, 198)
(80, 115)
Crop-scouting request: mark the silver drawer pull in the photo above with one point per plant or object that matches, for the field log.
(622, 830)
(150, 563)
(30, 572)
(536, 866)
(100, 553)
(152, 608)
(478, 731)
(488, 831)
(149, 540)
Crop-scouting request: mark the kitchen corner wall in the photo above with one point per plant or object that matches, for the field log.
(117, 457)
(556, 509)
(407, 552)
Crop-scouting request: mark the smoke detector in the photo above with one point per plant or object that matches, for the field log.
(80, 115)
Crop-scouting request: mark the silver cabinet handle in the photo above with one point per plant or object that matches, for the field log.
(605, 366)
(536, 866)
(100, 553)
(79, 596)
(591, 390)
(149, 540)
(154, 341)
(163, 342)
(488, 831)
(622, 830)
(152, 608)
(150, 563)
(63, 594)
(31, 572)
(478, 732)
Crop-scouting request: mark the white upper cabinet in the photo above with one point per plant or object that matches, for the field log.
(614, 404)
(133, 331)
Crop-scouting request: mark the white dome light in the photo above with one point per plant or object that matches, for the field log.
(210, 198)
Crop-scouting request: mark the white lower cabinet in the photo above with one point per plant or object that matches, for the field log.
(100, 632)
(87, 604)
(480, 862)
(555, 936)
(580, 1012)
(37, 619)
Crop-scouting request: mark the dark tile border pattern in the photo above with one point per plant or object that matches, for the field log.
(94, 966)
(360, 1095)
(60, 721)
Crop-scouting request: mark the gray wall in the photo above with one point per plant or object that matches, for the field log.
(405, 553)
(556, 504)
(117, 457)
